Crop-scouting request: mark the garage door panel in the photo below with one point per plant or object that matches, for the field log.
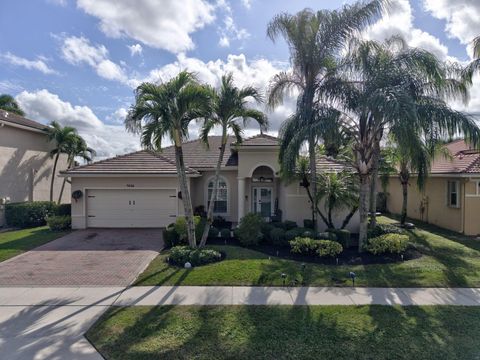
(131, 207)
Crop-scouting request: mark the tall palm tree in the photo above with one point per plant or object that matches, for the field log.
(62, 138)
(229, 104)
(314, 40)
(166, 110)
(474, 66)
(76, 149)
(382, 87)
(8, 103)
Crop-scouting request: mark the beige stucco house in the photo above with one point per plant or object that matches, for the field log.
(25, 162)
(141, 189)
(451, 197)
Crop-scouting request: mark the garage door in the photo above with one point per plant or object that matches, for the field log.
(131, 208)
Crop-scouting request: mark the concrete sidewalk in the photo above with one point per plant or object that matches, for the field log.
(49, 323)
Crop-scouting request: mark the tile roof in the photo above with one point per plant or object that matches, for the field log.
(465, 160)
(140, 162)
(328, 164)
(261, 140)
(20, 120)
(197, 155)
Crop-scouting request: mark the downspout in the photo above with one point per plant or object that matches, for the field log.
(463, 205)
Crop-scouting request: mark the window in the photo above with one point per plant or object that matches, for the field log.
(221, 203)
(453, 199)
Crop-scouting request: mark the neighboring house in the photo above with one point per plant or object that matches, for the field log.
(141, 189)
(25, 162)
(451, 198)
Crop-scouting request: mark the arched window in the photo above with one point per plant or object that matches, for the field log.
(221, 202)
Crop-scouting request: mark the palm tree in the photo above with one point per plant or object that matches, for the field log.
(8, 103)
(474, 66)
(167, 109)
(63, 138)
(76, 149)
(229, 104)
(314, 40)
(382, 87)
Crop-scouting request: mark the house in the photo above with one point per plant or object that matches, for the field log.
(451, 197)
(25, 162)
(141, 189)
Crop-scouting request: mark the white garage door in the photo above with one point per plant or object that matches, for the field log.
(131, 208)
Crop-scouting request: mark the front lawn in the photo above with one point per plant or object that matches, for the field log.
(449, 260)
(16, 242)
(288, 332)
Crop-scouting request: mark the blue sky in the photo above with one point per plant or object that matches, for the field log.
(78, 61)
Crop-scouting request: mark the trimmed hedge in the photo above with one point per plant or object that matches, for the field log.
(327, 235)
(181, 227)
(312, 247)
(171, 238)
(343, 237)
(387, 243)
(33, 213)
(225, 233)
(308, 223)
(277, 237)
(59, 223)
(382, 229)
(179, 255)
(249, 231)
(266, 229)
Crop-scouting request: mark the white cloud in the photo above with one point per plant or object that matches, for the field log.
(58, 2)
(462, 17)
(162, 24)
(135, 49)
(247, 3)
(257, 73)
(399, 21)
(78, 50)
(229, 31)
(38, 64)
(118, 116)
(107, 140)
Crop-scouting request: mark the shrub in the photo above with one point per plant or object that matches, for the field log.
(28, 214)
(171, 238)
(221, 223)
(308, 223)
(225, 233)
(309, 234)
(328, 248)
(266, 228)
(277, 237)
(382, 229)
(387, 243)
(293, 233)
(181, 227)
(63, 209)
(289, 225)
(304, 246)
(278, 224)
(59, 223)
(179, 255)
(343, 237)
(213, 232)
(249, 230)
(327, 235)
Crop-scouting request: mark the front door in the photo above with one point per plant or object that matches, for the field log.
(262, 201)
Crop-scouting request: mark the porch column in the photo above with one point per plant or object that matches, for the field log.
(241, 198)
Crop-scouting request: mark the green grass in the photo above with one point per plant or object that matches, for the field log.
(288, 332)
(16, 242)
(449, 259)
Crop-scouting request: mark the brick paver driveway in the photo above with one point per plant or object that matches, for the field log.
(95, 257)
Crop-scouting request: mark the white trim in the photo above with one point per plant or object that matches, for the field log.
(210, 178)
(457, 192)
(23, 127)
(263, 164)
(272, 205)
(98, 175)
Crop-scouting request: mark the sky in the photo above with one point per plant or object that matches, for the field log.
(79, 61)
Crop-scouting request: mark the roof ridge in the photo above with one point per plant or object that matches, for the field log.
(195, 140)
(154, 153)
(107, 159)
(473, 163)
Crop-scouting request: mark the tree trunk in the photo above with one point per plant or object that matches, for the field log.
(373, 187)
(403, 216)
(53, 175)
(313, 175)
(63, 184)
(215, 189)
(187, 201)
(349, 217)
(363, 210)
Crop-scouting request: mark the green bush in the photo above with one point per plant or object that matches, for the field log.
(278, 224)
(293, 233)
(309, 234)
(308, 223)
(328, 248)
(266, 228)
(171, 238)
(181, 227)
(327, 235)
(382, 229)
(225, 233)
(28, 214)
(277, 237)
(179, 255)
(387, 243)
(289, 225)
(59, 223)
(343, 237)
(304, 246)
(249, 230)
(63, 209)
(213, 232)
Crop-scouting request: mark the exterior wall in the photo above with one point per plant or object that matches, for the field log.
(433, 200)
(200, 194)
(296, 207)
(249, 160)
(85, 183)
(26, 167)
(472, 207)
